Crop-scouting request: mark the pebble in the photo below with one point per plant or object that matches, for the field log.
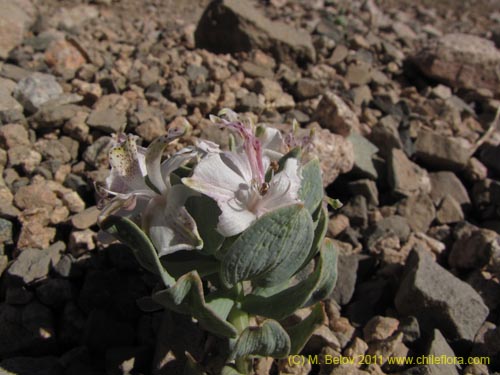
(37, 89)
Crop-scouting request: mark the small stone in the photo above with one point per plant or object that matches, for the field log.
(390, 226)
(53, 149)
(107, 120)
(474, 249)
(81, 241)
(254, 70)
(307, 88)
(335, 115)
(59, 215)
(356, 350)
(12, 135)
(346, 279)
(73, 201)
(10, 109)
(25, 157)
(64, 57)
(359, 74)
(5, 231)
(37, 89)
(338, 224)
(380, 328)
(151, 129)
(447, 183)
(366, 188)
(419, 211)
(96, 155)
(364, 151)
(456, 308)
(385, 135)
(442, 92)
(449, 211)
(35, 235)
(72, 18)
(442, 152)
(269, 88)
(86, 218)
(15, 19)
(33, 264)
(178, 90)
(405, 177)
(391, 347)
(90, 91)
(475, 170)
(357, 211)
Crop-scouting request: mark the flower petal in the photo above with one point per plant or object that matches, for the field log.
(234, 218)
(176, 161)
(169, 225)
(215, 178)
(126, 172)
(283, 188)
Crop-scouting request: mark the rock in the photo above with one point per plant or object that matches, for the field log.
(81, 242)
(442, 92)
(16, 18)
(419, 211)
(474, 249)
(357, 211)
(70, 19)
(12, 135)
(243, 27)
(338, 224)
(307, 88)
(86, 218)
(53, 115)
(410, 328)
(475, 170)
(439, 347)
(454, 307)
(334, 152)
(356, 349)
(405, 177)
(53, 149)
(64, 57)
(390, 226)
(151, 129)
(487, 286)
(461, 61)
(178, 90)
(254, 70)
(489, 155)
(10, 109)
(33, 264)
(364, 151)
(35, 90)
(55, 292)
(447, 183)
(25, 157)
(346, 279)
(391, 347)
(5, 231)
(73, 201)
(109, 120)
(35, 195)
(441, 152)
(96, 154)
(449, 211)
(359, 74)
(32, 326)
(385, 135)
(335, 115)
(380, 328)
(366, 188)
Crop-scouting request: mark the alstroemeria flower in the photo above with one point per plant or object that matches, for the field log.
(236, 181)
(139, 178)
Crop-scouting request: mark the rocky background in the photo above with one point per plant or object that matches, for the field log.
(402, 94)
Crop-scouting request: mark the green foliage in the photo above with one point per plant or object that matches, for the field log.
(311, 192)
(271, 250)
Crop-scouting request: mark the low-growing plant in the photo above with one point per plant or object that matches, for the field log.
(228, 232)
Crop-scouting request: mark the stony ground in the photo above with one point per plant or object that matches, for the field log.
(403, 98)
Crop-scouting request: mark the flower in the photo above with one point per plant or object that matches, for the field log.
(236, 180)
(141, 184)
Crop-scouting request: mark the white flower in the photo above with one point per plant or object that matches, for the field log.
(236, 181)
(139, 179)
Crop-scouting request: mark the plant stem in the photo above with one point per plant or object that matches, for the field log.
(239, 319)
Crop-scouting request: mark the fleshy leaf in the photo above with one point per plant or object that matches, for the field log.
(130, 234)
(319, 234)
(271, 249)
(268, 340)
(278, 304)
(182, 262)
(301, 332)
(311, 192)
(229, 370)
(186, 297)
(205, 212)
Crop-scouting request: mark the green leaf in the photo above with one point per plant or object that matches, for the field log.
(268, 340)
(319, 235)
(184, 261)
(311, 191)
(130, 234)
(186, 297)
(278, 304)
(301, 332)
(206, 214)
(229, 370)
(271, 250)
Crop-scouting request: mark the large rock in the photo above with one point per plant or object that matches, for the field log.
(441, 152)
(37, 89)
(405, 177)
(335, 115)
(438, 299)
(462, 61)
(16, 18)
(229, 26)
